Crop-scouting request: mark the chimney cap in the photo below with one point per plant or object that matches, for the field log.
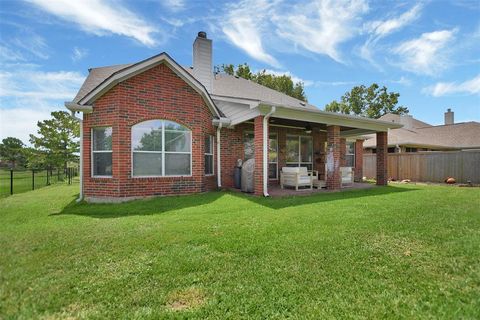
(449, 110)
(202, 34)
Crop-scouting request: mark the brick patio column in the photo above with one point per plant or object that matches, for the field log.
(382, 156)
(258, 143)
(334, 179)
(358, 160)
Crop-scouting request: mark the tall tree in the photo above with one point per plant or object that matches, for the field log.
(58, 139)
(371, 102)
(12, 150)
(281, 83)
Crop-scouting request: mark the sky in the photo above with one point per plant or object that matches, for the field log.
(428, 51)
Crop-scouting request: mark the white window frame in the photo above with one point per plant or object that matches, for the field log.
(163, 152)
(212, 144)
(92, 152)
(350, 154)
(299, 163)
(276, 162)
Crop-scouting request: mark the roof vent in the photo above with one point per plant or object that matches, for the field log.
(202, 34)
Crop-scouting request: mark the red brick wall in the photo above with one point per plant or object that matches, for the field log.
(334, 181)
(382, 156)
(258, 142)
(358, 160)
(157, 93)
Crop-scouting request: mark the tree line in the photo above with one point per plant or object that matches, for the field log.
(55, 145)
(371, 102)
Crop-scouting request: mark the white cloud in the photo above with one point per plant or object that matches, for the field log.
(379, 29)
(28, 95)
(321, 26)
(9, 55)
(427, 54)
(79, 53)
(34, 44)
(382, 28)
(174, 5)
(101, 17)
(244, 27)
(21, 122)
(471, 86)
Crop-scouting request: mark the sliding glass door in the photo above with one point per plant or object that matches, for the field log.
(299, 151)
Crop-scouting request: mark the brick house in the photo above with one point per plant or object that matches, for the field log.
(157, 128)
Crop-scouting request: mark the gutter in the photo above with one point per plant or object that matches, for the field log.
(219, 123)
(80, 195)
(265, 150)
(75, 107)
(219, 167)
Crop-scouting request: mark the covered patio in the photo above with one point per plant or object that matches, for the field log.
(278, 137)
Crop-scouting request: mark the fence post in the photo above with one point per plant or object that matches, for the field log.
(11, 181)
(33, 179)
(58, 175)
(48, 180)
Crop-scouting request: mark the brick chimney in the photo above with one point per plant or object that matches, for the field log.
(449, 117)
(202, 60)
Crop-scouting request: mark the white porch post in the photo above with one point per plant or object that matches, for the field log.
(265, 151)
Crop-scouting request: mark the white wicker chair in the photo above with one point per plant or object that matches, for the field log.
(296, 177)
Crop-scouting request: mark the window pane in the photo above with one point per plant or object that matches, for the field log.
(292, 149)
(147, 164)
(308, 165)
(102, 164)
(272, 171)
(349, 160)
(169, 125)
(147, 136)
(272, 149)
(350, 148)
(177, 164)
(208, 164)
(248, 145)
(208, 144)
(177, 141)
(306, 150)
(102, 139)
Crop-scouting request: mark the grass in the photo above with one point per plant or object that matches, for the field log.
(392, 252)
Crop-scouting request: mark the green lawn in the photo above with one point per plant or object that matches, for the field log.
(402, 251)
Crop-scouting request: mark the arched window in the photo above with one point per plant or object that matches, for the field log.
(161, 148)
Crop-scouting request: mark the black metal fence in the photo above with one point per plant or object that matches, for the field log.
(17, 181)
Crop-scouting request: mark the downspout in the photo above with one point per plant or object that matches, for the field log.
(219, 166)
(265, 150)
(80, 196)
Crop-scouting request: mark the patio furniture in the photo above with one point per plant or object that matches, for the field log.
(296, 177)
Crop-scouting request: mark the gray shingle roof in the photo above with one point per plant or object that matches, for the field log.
(465, 135)
(223, 85)
(95, 77)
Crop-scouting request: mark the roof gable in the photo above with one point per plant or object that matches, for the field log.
(97, 85)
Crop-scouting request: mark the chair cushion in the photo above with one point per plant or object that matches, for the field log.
(291, 169)
(304, 179)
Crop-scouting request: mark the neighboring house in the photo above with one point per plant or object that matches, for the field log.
(157, 128)
(416, 135)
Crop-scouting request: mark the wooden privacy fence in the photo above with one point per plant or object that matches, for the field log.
(431, 166)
